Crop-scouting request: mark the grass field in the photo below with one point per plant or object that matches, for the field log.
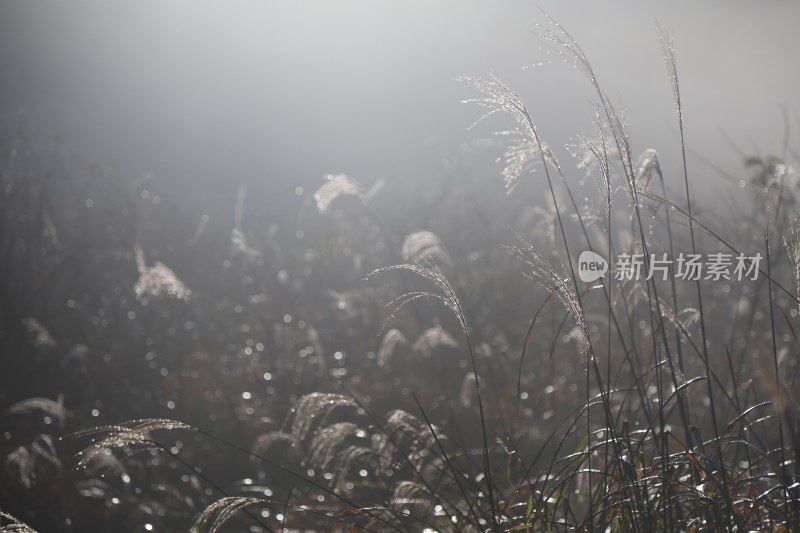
(164, 370)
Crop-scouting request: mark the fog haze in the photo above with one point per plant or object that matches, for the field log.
(278, 94)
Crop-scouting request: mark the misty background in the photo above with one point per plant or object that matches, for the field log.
(203, 96)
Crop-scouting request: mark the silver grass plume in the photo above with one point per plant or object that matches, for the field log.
(522, 156)
(433, 338)
(404, 433)
(38, 334)
(328, 441)
(767, 172)
(596, 154)
(375, 189)
(51, 232)
(425, 245)
(647, 166)
(543, 221)
(668, 52)
(157, 280)
(219, 512)
(93, 488)
(553, 280)
(389, 344)
(792, 243)
(316, 342)
(199, 230)
(312, 410)
(141, 260)
(131, 433)
(20, 464)
(238, 213)
(682, 319)
(429, 270)
(467, 394)
(344, 462)
(620, 136)
(13, 525)
(499, 97)
(266, 443)
(44, 406)
(25, 463)
(43, 448)
(104, 463)
(239, 245)
(561, 43)
(409, 493)
(335, 186)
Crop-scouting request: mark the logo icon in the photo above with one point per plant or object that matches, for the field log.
(591, 266)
